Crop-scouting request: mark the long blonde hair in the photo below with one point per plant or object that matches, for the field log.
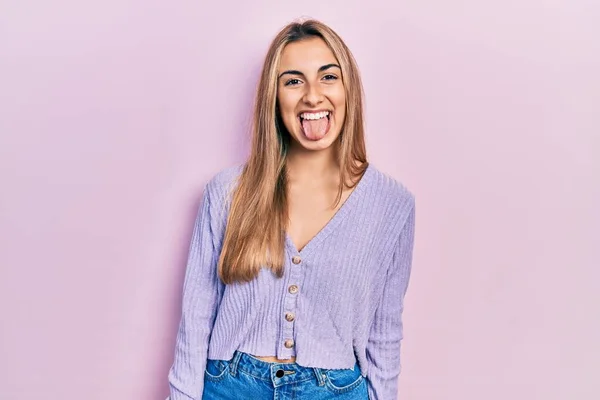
(256, 227)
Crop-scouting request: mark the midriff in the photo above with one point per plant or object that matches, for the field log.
(275, 359)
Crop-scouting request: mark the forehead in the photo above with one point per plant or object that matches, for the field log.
(306, 55)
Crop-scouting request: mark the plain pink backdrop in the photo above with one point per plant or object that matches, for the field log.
(114, 114)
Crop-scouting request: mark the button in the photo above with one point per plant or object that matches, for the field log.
(293, 289)
(296, 260)
(289, 316)
(289, 343)
(279, 373)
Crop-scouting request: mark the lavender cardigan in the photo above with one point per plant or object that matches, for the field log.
(350, 281)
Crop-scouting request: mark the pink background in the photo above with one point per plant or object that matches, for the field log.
(113, 115)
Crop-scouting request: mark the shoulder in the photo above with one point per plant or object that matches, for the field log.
(395, 202)
(218, 192)
(222, 183)
(390, 189)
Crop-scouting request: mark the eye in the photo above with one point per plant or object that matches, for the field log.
(330, 77)
(292, 82)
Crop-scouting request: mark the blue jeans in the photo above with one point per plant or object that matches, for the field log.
(247, 377)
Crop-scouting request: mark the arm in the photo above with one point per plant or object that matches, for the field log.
(383, 347)
(200, 295)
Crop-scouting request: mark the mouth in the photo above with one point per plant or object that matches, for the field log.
(315, 125)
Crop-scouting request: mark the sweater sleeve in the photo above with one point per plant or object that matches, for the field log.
(383, 346)
(200, 296)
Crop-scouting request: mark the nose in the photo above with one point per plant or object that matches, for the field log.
(313, 95)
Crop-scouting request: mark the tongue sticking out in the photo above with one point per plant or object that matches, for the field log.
(315, 129)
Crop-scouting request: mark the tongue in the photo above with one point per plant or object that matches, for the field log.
(315, 129)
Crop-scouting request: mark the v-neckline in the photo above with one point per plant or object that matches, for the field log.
(333, 222)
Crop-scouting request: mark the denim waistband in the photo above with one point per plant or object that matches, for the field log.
(278, 373)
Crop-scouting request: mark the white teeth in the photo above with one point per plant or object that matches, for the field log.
(312, 116)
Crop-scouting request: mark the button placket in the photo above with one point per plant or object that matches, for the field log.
(292, 291)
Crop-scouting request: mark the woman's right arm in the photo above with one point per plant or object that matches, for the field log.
(200, 298)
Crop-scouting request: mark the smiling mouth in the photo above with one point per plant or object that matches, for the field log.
(315, 126)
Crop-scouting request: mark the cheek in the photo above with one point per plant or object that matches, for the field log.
(340, 98)
(341, 108)
(286, 111)
(340, 105)
(287, 106)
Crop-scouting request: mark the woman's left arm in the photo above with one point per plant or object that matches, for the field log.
(383, 346)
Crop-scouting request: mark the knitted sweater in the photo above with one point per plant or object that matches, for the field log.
(345, 288)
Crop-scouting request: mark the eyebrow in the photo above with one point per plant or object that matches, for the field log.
(321, 69)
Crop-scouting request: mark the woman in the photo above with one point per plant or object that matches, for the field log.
(300, 258)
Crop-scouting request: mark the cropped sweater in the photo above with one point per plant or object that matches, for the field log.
(345, 288)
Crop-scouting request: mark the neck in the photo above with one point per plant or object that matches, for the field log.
(305, 165)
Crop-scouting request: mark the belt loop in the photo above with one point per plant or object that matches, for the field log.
(234, 363)
(320, 376)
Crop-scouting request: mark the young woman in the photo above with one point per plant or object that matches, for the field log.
(300, 258)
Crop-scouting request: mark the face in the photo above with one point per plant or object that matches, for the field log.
(310, 94)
